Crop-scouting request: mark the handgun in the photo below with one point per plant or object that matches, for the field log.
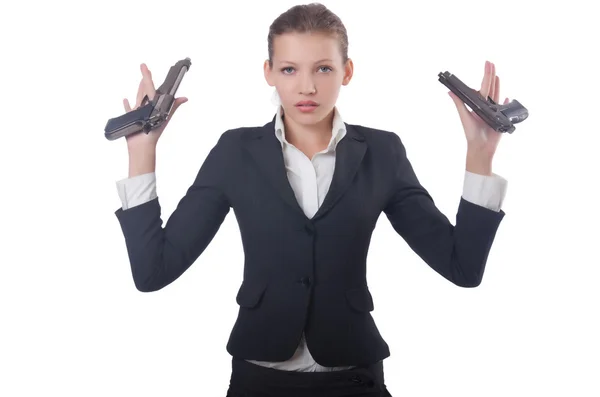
(499, 117)
(151, 114)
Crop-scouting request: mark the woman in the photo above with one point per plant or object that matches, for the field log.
(307, 190)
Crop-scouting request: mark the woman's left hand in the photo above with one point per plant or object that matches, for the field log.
(482, 140)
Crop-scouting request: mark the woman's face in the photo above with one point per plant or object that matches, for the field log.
(307, 66)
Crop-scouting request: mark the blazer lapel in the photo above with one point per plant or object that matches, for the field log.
(265, 149)
(350, 152)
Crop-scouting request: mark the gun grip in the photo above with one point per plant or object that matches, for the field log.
(134, 121)
(514, 111)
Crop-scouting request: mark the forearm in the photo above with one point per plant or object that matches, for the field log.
(479, 163)
(142, 161)
(458, 252)
(158, 255)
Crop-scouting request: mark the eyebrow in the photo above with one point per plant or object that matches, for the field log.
(319, 61)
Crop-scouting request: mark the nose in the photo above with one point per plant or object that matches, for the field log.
(307, 85)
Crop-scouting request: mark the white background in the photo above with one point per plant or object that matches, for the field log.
(72, 322)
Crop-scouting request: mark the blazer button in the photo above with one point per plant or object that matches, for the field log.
(356, 379)
(305, 281)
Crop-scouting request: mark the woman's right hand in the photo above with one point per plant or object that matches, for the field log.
(141, 140)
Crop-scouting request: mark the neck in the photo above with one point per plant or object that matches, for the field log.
(301, 135)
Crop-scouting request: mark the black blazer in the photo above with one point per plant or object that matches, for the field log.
(300, 273)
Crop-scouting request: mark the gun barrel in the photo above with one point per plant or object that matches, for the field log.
(174, 77)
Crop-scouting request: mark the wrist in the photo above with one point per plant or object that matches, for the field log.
(142, 161)
(479, 163)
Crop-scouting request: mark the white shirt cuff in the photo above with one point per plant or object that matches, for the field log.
(486, 191)
(137, 190)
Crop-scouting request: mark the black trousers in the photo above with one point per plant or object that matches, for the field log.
(251, 380)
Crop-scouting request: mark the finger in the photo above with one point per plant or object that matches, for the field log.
(147, 81)
(486, 82)
(492, 80)
(140, 94)
(178, 102)
(506, 101)
(496, 94)
(481, 95)
(492, 91)
(126, 105)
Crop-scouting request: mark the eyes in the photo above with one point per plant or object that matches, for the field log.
(291, 68)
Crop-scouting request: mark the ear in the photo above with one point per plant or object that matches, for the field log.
(267, 72)
(348, 72)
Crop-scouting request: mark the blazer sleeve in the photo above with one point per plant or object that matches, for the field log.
(457, 252)
(159, 255)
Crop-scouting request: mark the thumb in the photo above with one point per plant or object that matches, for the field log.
(178, 102)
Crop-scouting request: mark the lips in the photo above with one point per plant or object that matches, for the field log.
(307, 103)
